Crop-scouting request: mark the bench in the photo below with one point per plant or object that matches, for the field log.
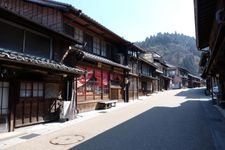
(107, 104)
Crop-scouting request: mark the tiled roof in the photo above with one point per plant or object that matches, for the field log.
(67, 7)
(189, 74)
(103, 60)
(159, 71)
(170, 66)
(133, 74)
(51, 3)
(166, 77)
(148, 62)
(11, 56)
(149, 77)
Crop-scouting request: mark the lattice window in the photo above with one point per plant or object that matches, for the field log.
(96, 46)
(4, 94)
(31, 89)
(78, 35)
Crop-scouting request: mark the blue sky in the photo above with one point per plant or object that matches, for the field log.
(135, 20)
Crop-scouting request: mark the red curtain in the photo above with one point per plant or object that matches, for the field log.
(81, 81)
(105, 78)
(98, 76)
(90, 72)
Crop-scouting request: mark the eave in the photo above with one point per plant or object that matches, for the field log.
(166, 77)
(204, 15)
(147, 62)
(95, 58)
(148, 77)
(77, 17)
(36, 63)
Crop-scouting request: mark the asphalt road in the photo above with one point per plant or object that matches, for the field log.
(160, 128)
(170, 120)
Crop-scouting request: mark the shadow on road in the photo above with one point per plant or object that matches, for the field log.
(184, 127)
(193, 93)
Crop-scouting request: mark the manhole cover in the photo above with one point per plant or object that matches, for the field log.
(67, 139)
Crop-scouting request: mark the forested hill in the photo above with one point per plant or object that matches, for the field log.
(176, 49)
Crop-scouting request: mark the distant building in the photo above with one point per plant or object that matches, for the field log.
(133, 76)
(194, 81)
(147, 78)
(161, 72)
(179, 77)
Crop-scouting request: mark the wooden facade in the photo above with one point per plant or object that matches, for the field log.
(210, 31)
(104, 59)
(38, 12)
(164, 80)
(103, 82)
(179, 77)
(134, 78)
(147, 77)
(34, 84)
(56, 61)
(193, 81)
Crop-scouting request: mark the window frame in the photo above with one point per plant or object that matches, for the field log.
(4, 100)
(89, 40)
(93, 87)
(24, 36)
(49, 55)
(23, 90)
(78, 34)
(103, 49)
(68, 29)
(96, 46)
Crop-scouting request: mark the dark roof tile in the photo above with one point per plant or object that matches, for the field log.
(103, 60)
(21, 58)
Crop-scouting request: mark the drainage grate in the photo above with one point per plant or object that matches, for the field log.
(29, 136)
(67, 139)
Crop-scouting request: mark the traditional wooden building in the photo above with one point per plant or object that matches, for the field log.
(105, 58)
(210, 31)
(179, 77)
(193, 81)
(147, 59)
(36, 80)
(147, 79)
(161, 72)
(133, 62)
(202, 63)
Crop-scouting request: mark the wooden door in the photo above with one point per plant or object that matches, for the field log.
(33, 107)
(31, 111)
(114, 94)
(117, 94)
